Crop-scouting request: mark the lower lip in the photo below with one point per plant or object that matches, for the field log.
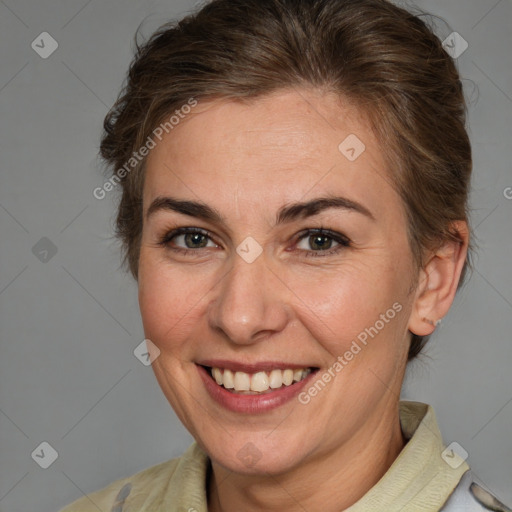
(251, 404)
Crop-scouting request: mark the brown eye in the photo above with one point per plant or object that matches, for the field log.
(194, 240)
(187, 238)
(320, 242)
(323, 242)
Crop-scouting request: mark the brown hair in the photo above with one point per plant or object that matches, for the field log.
(381, 57)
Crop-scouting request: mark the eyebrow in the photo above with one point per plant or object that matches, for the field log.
(287, 213)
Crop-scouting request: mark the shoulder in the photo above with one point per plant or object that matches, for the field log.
(116, 493)
(136, 492)
(469, 496)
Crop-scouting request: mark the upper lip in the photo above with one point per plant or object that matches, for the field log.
(260, 366)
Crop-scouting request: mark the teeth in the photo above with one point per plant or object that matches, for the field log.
(276, 379)
(287, 377)
(258, 382)
(242, 381)
(217, 375)
(227, 379)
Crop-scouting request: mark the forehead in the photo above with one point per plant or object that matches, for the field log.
(283, 147)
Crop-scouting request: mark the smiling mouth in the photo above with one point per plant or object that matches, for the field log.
(259, 382)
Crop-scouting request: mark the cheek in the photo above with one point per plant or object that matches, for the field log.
(353, 303)
(169, 302)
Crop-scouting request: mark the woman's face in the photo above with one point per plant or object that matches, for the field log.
(255, 289)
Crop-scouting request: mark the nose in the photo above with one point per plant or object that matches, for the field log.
(250, 302)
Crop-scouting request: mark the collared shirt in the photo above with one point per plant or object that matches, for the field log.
(420, 479)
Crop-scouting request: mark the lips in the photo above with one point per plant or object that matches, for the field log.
(253, 388)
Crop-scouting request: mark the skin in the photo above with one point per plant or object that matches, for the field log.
(247, 161)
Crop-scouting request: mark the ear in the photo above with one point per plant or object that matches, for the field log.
(438, 280)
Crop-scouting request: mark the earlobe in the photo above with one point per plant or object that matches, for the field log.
(438, 282)
(432, 322)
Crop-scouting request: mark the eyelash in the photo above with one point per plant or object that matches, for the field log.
(342, 240)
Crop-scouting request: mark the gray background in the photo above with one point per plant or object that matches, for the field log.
(69, 325)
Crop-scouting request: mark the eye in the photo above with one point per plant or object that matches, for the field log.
(312, 242)
(185, 239)
(322, 242)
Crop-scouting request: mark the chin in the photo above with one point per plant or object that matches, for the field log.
(257, 454)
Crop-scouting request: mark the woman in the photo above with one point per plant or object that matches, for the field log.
(294, 208)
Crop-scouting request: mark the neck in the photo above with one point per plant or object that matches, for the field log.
(335, 479)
